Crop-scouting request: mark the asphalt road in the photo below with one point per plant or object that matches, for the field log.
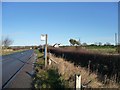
(11, 64)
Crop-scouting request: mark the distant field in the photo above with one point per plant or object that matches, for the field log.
(96, 49)
(6, 52)
(105, 50)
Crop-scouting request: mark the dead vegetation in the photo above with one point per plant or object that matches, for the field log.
(101, 64)
(61, 74)
(67, 71)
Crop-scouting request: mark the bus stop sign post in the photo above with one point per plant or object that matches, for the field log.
(44, 38)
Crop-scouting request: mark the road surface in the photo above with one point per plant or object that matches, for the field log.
(13, 63)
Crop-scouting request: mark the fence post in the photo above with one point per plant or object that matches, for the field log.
(78, 82)
(89, 67)
(46, 37)
(50, 62)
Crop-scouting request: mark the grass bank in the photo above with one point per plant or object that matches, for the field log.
(62, 75)
(68, 69)
(45, 77)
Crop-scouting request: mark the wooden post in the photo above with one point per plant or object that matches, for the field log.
(78, 82)
(89, 67)
(46, 50)
(49, 61)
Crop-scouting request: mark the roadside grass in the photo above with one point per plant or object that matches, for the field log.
(39, 55)
(10, 52)
(40, 59)
(67, 71)
(62, 75)
(45, 77)
(48, 78)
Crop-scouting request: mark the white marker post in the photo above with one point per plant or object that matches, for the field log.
(44, 38)
(78, 82)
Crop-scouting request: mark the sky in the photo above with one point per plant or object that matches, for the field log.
(90, 22)
(60, 0)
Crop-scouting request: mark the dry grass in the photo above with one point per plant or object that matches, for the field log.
(45, 77)
(100, 64)
(10, 51)
(67, 70)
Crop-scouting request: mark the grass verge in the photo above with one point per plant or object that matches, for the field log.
(45, 77)
(62, 75)
(67, 70)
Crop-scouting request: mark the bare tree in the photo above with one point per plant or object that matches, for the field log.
(6, 42)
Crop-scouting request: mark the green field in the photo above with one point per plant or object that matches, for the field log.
(102, 49)
(96, 49)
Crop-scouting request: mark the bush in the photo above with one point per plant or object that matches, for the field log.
(105, 64)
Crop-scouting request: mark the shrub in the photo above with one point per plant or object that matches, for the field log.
(104, 64)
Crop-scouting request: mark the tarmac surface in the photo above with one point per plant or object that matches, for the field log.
(17, 69)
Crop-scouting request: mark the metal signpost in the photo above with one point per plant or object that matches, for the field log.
(44, 38)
